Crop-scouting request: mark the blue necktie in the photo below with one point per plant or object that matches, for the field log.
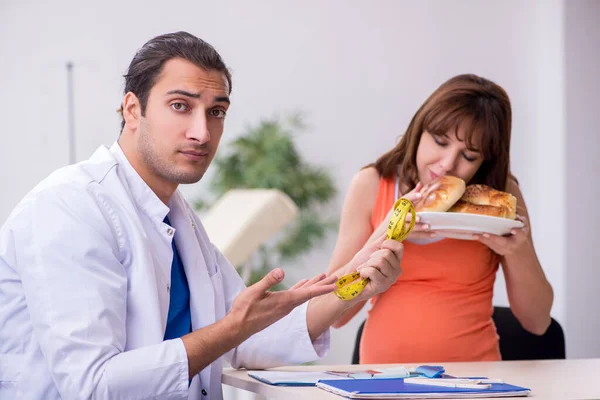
(179, 321)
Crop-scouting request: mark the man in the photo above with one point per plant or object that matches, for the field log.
(110, 287)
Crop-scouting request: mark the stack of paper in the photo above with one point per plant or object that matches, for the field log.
(310, 378)
(289, 378)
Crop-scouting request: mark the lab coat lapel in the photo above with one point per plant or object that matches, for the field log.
(162, 259)
(202, 293)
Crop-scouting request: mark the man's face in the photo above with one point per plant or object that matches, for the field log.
(178, 137)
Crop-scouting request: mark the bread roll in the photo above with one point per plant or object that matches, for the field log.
(440, 194)
(470, 208)
(486, 196)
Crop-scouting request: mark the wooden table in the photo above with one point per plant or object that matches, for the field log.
(547, 379)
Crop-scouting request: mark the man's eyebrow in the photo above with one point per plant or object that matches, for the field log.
(222, 99)
(219, 99)
(184, 93)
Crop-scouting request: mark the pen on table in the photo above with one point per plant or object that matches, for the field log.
(476, 378)
(446, 383)
(457, 380)
(491, 380)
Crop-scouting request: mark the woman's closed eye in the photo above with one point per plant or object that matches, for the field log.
(439, 142)
(470, 158)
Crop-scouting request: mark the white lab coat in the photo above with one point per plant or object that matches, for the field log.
(85, 263)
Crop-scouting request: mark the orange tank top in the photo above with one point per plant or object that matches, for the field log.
(440, 308)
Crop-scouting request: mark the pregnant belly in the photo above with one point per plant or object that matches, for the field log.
(419, 323)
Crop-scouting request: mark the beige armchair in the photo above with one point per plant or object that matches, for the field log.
(243, 219)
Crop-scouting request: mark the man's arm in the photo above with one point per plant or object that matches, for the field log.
(303, 335)
(254, 309)
(263, 329)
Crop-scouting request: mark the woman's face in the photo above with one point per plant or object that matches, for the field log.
(446, 154)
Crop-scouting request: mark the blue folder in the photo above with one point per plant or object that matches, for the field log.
(396, 388)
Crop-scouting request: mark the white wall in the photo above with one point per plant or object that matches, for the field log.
(583, 165)
(358, 69)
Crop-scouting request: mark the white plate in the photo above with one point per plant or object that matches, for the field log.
(463, 226)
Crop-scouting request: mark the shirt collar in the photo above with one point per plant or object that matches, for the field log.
(141, 193)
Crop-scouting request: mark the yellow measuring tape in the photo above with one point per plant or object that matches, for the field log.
(348, 287)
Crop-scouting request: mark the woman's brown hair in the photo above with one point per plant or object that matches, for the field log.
(475, 103)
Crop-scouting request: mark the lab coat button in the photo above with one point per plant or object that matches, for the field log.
(204, 392)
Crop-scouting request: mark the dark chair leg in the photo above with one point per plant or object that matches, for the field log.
(356, 354)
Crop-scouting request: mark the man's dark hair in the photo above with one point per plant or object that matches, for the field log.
(148, 62)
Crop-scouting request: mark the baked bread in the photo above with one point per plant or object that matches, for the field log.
(482, 199)
(462, 206)
(440, 194)
(448, 193)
